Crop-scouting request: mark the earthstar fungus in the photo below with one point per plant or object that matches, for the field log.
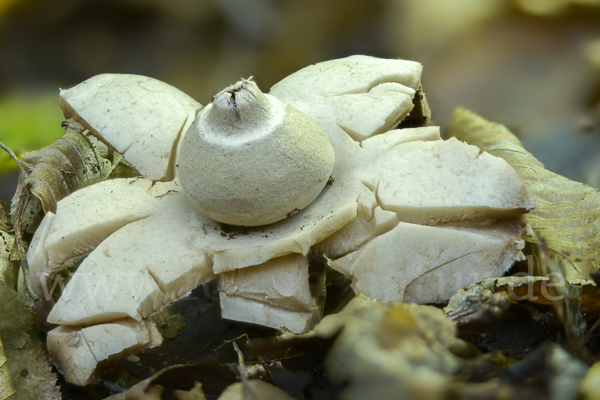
(407, 216)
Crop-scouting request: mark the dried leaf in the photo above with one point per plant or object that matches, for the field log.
(549, 372)
(566, 214)
(566, 303)
(518, 287)
(535, 289)
(76, 160)
(389, 350)
(26, 357)
(175, 380)
(6, 385)
(5, 224)
(568, 300)
(9, 256)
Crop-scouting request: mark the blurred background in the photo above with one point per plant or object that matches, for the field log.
(533, 65)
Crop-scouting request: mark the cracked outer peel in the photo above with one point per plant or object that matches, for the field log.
(439, 181)
(137, 269)
(334, 208)
(380, 157)
(427, 264)
(141, 117)
(80, 352)
(275, 294)
(371, 221)
(131, 260)
(84, 220)
(245, 310)
(364, 95)
(238, 248)
(37, 257)
(141, 261)
(411, 175)
(286, 284)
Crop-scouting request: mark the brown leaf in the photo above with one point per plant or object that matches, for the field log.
(566, 214)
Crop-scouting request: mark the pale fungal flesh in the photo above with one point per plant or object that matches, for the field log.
(401, 265)
(398, 234)
(362, 95)
(141, 117)
(250, 159)
(443, 181)
(276, 293)
(82, 352)
(84, 221)
(190, 243)
(110, 283)
(463, 186)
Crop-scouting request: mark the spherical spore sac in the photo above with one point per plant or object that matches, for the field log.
(249, 159)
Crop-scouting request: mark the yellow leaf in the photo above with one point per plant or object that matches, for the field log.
(6, 385)
(5, 6)
(589, 387)
(566, 214)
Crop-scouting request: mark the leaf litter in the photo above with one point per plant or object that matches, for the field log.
(517, 336)
(75, 160)
(566, 214)
(25, 371)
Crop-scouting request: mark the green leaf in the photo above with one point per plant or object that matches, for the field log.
(168, 323)
(567, 213)
(28, 124)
